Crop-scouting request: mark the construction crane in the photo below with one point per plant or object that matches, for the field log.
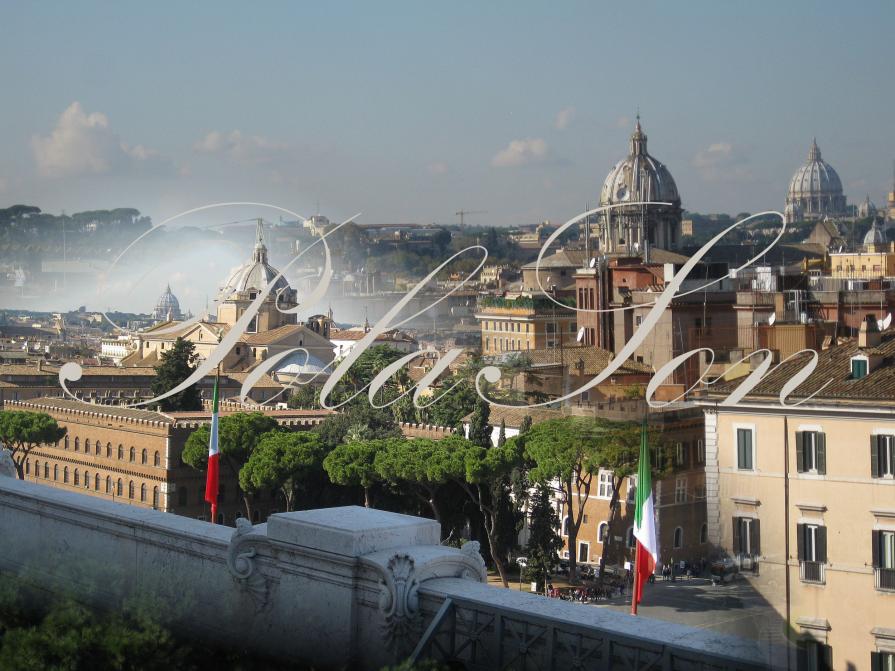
(462, 214)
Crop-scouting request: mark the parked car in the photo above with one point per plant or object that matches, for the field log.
(724, 570)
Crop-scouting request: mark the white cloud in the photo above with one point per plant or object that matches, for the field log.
(239, 147)
(721, 161)
(83, 144)
(437, 168)
(520, 152)
(564, 118)
(623, 122)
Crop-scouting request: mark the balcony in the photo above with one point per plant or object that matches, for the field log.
(812, 572)
(884, 579)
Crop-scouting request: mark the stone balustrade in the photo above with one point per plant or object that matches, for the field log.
(338, 587)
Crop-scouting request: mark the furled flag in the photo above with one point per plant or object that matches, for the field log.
(214, 457)
(644, 523)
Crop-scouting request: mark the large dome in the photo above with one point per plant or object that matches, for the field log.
(815, 190)
(167, 306)
(639, 176)
(255, 274)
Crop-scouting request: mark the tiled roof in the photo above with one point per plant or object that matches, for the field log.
(53, 370)
(265, 381)
(513, 416)
(272, 336)
(586, 359)
(834, 365)
(564, 258)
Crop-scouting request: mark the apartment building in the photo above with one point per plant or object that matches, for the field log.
(803, 497)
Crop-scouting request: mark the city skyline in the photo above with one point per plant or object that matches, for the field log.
(411, 113)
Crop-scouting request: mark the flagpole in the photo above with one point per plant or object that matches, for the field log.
(214, 504)
(634, 585)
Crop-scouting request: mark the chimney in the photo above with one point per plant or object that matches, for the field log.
(869, 335)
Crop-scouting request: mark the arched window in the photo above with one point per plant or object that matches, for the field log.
(55, 471)
(181, 496)
(565, 526)
(77, 478)
(66, 442)
(602, 532)
(155, 497)
(65, 475)
(143, 492)
(108, 484)
(96, 482)
(86, 479)
(99, 447)
(47, 470)
(156, 461)
(120, 452)
(133, 454)
(130, 489)
(108, 450)
(120, 487)
(704, 533)
(143, 456)
(77, 444)
(27, 467)
(87, 445)
(36, 468)
(678, 537)
(629, 538)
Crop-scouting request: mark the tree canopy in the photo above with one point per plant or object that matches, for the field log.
(176, 365)
(282, 460)
(21, 431)
(352, 465)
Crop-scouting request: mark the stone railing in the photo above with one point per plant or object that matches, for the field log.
(331, 588)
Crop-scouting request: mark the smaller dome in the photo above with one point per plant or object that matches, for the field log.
(255, 274)
(167, 306)
(874, 236)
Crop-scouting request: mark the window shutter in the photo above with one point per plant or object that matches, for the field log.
(800, 541)
(876, 662)
(825, 657)
(821, 443)
(820, 552)
(736, 535)
(800, 452)
(877, 545)
(874, 456)
(755, 540)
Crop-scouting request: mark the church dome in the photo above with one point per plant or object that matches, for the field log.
(874, 236)
(639, 177)
(815, 190)
(254, 274)
(167, 306)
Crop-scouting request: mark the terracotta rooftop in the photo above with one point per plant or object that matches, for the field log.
(834, 365)
(268, 337)
(585, 360)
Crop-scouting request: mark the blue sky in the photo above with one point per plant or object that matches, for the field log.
(411, 111)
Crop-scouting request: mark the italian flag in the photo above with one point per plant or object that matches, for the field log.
(214, 458)
(644, 524)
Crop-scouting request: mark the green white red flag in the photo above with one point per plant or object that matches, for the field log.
(644, 523)
(214, 458)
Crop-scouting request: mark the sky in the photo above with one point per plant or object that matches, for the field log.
(409, 111)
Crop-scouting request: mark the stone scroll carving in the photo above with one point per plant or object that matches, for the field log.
(241, 561)
(399, 585)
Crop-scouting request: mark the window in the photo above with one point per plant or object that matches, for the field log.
(884, 559)
(77, 444)
(602, 532)
(143, 492)
(66, 442)
(704, 534)
(629, 538)
(882, 661)
(155, 497)
(47, 470)
(632, 489)
(120, 487)
(565, 526)
(130, 489)
(814, 656)
(680, 490)
(678, 538)
(812, 549)
(55, 471)
(133, 454)
(882, 456)
(108, 450)
(638, 320)
(811, 452)
(700, 451)
(120, 452)
(746, 536)
(36, 468)
(99, 447)
(583, 552)
(108, 484)
(680, 454)
(65, 475)
(144, 457)
(156, 461)
(96, 482)
(181, 496)
(86, 479)
(604, 484)
(858, 368)
(87, 446)
(744, 450)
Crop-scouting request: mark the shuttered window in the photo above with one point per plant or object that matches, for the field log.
(882, 456)
(744, 449)
(811, 452)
